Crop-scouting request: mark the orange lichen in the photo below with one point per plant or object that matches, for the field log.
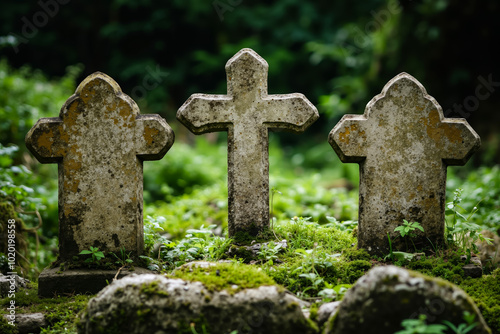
(150, 134)
(344, 136)
(437, 130)
(46, 140)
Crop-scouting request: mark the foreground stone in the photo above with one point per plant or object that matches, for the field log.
(246, 113)
(29, 323)
(403, 145)
(155, 304)
(9, 283)
(385, 296)
(99, 142)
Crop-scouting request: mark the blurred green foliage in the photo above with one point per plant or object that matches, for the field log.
(339, 54)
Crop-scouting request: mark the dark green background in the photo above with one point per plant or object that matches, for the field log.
(338, 53)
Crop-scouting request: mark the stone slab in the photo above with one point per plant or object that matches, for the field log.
(53, 281)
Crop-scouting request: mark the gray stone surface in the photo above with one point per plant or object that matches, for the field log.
(473, 269)
(246, 113)
(29, 322)
(54, 281)
(326, 311)
(155, 304)
(403, 145)
(11, 281)
(99, 141)
(385, 296)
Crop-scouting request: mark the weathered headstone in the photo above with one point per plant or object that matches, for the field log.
(246, 113)
(99, 141)
(403, 145)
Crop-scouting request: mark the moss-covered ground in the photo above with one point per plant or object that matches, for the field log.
(186, 220)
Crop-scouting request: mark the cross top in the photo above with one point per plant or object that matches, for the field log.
(246, 113)
(403, 144)
(99, 141)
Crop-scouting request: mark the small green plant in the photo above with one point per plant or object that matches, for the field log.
(97, 255)
(465, 327)
(419, 326)
(396, 255)
(408, 230)
(331, 292)
(124, 258)
(347, 225)
(269, 252)
(460, 230)
(198, 244)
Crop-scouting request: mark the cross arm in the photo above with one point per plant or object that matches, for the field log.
(44, 140)
(293, 112)
(348, 138)
(203, 113)
(154, 137)
(459, 141)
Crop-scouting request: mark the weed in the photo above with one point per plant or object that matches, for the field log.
(124, 258)
(465, 327)
(96, 254)
(419, 326)
(460, 230)
(269, 252)
(408, 229)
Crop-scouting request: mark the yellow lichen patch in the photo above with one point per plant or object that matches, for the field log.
(452, 133)
(150, 134)
(46, 140)
(434, 130)
(125, 112)
(438, 130)
(71, 169)
(344, 136)
(88, 92)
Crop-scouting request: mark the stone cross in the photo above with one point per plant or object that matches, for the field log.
(403, 145)
(99, 141)
(246, 113)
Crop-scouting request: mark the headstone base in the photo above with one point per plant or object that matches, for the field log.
(54, 281)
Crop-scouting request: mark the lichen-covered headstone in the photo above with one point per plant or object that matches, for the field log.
(403, 145)
(246, 113)
(99, 141)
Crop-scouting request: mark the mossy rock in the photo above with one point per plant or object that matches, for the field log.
(152, 303)
(228, 276)
(386, 296)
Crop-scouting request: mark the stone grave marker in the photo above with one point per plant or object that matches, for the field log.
(99, 142)
(246, 113)
(403, 145)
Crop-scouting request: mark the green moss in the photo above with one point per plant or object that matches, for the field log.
(356, 269)
(241, 253)
(6, 328)
(313, 312)
(246, 238)
(485, 292)
(226, 276)
(448, 266)
(151, 289)
(61, 312)
(352, 254)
